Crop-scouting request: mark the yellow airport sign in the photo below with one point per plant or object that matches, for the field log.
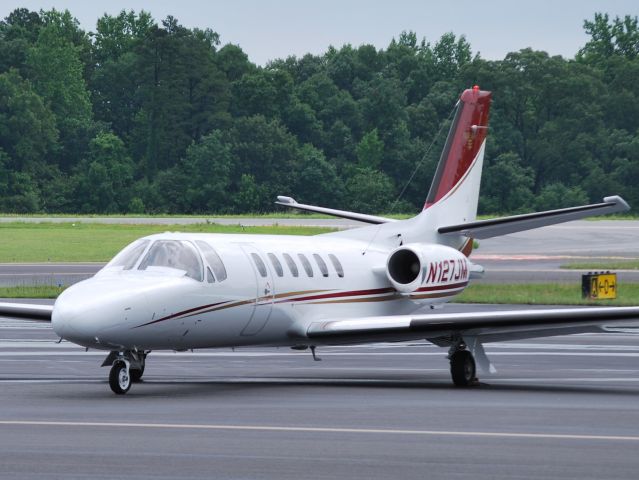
(599, 286)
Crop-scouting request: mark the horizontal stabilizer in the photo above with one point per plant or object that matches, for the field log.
(360, 217)
(503, 226)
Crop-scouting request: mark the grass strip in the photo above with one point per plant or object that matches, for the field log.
(604, 266)
(31, 291)
(22, 242)
(544, 294)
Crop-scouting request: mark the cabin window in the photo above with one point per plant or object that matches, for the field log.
(128, 257)
(209, 275)
(259, 263)
(337, 265)
(321, 264)
(276, 264)
(292, 266)
(306, 264)
(174, 254)
(213, 259)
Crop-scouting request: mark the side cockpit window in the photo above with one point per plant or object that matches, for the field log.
(128, 257)
(175, 254)
(213, 259)
(209, 275)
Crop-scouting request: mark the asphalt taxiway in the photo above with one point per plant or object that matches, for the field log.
(557, 408)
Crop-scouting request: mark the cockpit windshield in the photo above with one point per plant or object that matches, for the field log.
(128, 257)
(176, 254)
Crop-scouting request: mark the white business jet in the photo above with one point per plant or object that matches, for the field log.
(179, 291)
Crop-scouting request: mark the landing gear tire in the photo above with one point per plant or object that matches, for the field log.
(120, 378)
(136, 374)
(462, 369)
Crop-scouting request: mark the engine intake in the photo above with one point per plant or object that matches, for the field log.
(403, 269)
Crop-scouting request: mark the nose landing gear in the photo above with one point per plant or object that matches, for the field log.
(120, 377)
(126, 367)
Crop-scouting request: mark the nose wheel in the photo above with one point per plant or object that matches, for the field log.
(126, 367)
(120, 378)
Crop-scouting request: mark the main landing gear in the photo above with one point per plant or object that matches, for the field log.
(462, 365)
(126, 367)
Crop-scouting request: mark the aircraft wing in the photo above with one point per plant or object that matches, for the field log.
(485, 326)
(360, 217)
(495, 227)
(27, 311)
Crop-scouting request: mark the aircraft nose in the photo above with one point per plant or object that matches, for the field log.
(63, 314)
(75, 317)
(85, 310)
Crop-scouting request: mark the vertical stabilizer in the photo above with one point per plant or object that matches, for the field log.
(458, 175)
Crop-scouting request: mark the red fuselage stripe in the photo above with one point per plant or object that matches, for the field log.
(179, 314)
(442, 287)
(352, 293)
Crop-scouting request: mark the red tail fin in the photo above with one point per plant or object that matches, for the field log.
(465, 138)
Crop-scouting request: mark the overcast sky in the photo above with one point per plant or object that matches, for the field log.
(278, 28)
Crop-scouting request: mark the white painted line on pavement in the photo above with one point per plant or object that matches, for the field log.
(293, 429)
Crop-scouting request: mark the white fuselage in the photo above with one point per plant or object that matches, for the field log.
(163, 308)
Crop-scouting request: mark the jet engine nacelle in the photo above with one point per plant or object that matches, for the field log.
(417, 266)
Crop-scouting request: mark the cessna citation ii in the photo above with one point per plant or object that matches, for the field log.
(179, 291)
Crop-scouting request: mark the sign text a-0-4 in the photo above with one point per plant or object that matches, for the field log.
(601, 286)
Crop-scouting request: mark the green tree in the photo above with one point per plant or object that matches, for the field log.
(317, 181)
(451, 54)
(18, 190)
(249, 197)
(264, 150)
(56, 71)
(608, 38)
(257, 94)
(329, 103)
(206, 169)
(370, 150)
(369, 191)
(301, 121)
(18, 32)
(183, 95)
(232, 60)
(507, 186)
(68, 27)
(115, 90)
(104, 179)
(557, 195)
(383, 105)
(28, 133)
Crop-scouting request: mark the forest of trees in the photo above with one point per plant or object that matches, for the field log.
(141, 116)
